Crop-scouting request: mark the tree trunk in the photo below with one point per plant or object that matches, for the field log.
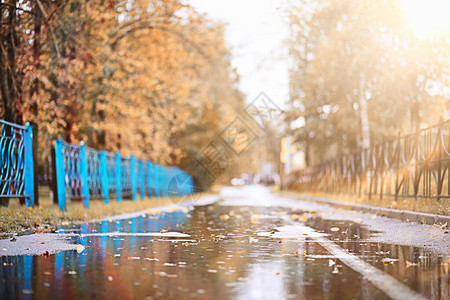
(7, 61)
(365, 127)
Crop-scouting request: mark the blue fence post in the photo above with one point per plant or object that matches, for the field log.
(118, 177)
(156, 180)
(29, 165)
(141, 179)
(162, 180)
(181, 182)
(162, 184)
(133, 177)
(191, 185)
(60, 174)
(84, 175)
(150, 179)
(166, 181)
(104, 176)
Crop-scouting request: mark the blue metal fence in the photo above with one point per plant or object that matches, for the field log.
(83, 173)
(16, 162)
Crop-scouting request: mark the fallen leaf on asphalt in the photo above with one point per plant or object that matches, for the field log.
(224, 217)
(410, 264)
(388, 260)
(440, 225)
(294, 216)
(255, 218)
(252, 240)
(80, 248)
(304, 252)
(186, 244)
(303, 218)
(151, 258)
(295, 252)
(334, 228)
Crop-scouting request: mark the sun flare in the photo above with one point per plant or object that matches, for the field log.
(428, 17)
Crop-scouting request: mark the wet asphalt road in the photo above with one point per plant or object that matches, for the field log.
(251, 245)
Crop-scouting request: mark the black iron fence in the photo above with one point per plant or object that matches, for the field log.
(414, 165)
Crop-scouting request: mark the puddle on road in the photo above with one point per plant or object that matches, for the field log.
(224, 257)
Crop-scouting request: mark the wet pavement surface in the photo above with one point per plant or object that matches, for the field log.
(231, 252)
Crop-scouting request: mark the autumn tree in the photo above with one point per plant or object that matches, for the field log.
(360, 75)
(151, 78)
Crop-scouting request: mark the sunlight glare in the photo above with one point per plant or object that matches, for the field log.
(428, 17)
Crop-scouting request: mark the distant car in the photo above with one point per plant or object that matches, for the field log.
(237, 181)
(268, 180)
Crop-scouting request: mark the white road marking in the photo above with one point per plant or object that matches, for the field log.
(115, 234)
(386, 283)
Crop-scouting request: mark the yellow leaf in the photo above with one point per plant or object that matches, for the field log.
(80, 248)
(224, 217)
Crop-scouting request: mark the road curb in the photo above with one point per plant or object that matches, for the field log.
(405, 215)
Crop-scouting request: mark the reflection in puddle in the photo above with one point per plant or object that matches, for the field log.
(223, 257)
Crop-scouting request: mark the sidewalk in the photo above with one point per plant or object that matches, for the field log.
(405, 215)
(17, 219)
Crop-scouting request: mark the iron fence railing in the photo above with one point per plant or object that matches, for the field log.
(414, 165)
(83, 173)
(16, 162)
